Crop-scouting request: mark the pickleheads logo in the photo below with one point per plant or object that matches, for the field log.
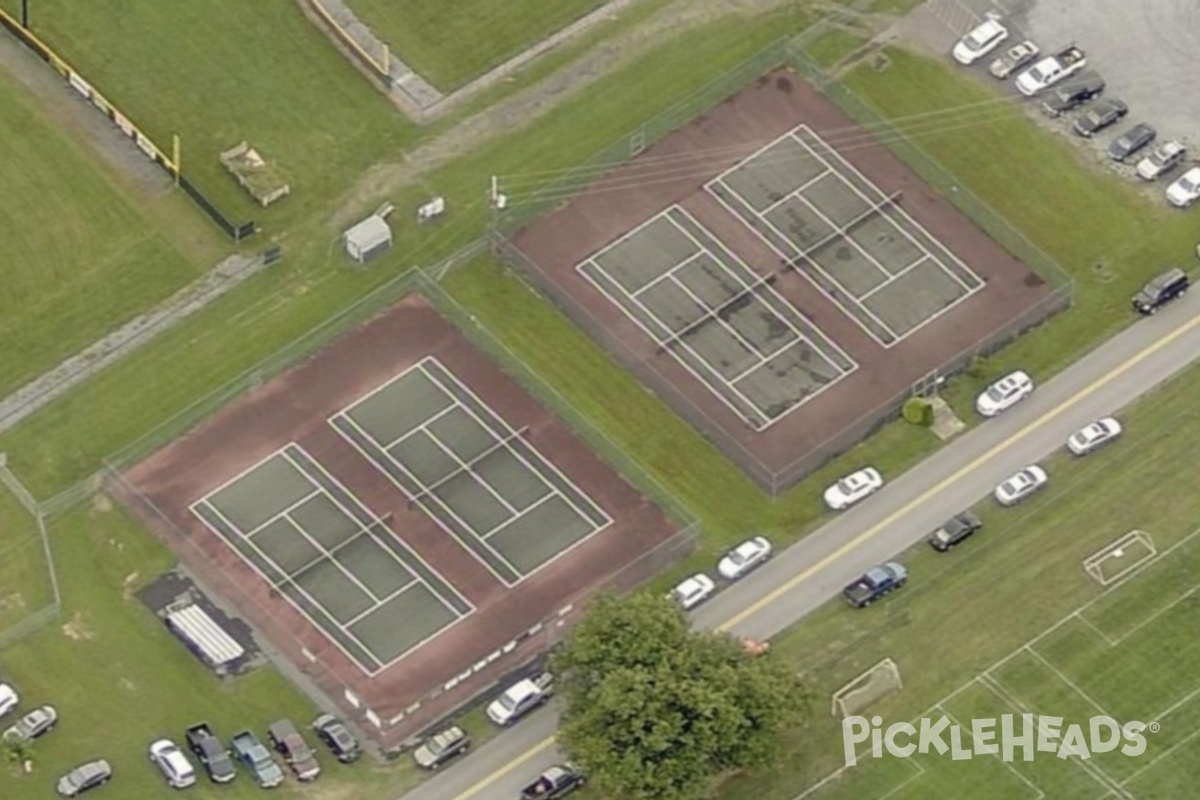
(1005, 736)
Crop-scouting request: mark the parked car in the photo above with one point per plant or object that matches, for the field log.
(1013, 59)
(1185, 191)
(1004, 394)
(288, 742)
(693, 591)
(1164, 159)
(558, 781)
(1160, 290)
(521, 698)
(1094, 436)
(8, 699)
(979, 42)
(211, 753)
(337, 737)
(173, 764)
(876, 583)
(954, 530)
(1020, 486)
(1073, 94)
(255, 757)
(854, 488)
(441, 747)
(1132, 141)
(84, 777)
(1051, 70)
(1100, 116)
(745, 557)
(29, 727)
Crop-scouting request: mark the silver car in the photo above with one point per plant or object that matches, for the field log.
(84, 777)
(1021, 485)
(32, 725)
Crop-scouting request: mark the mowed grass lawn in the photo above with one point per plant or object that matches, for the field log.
(217, 72)
(449, 44)
(80, 256)
(119, 680)
(1133, 652)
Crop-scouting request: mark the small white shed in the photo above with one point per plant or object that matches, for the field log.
(368, 238)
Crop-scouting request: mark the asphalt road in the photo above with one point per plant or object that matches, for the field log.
(815, 569)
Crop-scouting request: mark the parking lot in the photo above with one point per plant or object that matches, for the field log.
(1143, 50)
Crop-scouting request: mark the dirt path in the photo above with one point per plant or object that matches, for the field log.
(528, 105)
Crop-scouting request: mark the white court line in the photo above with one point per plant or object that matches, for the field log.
(798, 190)
(238, 477)
(850, 168)
(706, 381)
(381, 387)
(967, 729)
(441, 523)
(728, 256)
(669, 274)
(619, 241)
(804, 254)
(303, 611)
(543, 462)
(322, 549)
(423, 425)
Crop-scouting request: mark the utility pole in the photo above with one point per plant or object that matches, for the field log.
(25, 14)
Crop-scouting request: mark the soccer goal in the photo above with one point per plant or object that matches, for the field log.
(1112, 563)
(880, 680)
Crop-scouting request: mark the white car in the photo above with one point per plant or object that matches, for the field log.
(1094, 436)
(743, 558)
(1185, 191)
(1162, 160)
(1004, 394)
(173, 764)
(854, 487)
(8, 699)
(29, 727)
(979, 42)
(1021, 485)
(693, 591)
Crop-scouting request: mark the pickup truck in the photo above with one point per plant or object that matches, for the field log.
(521, 698)
(558, 781)
(875, 584)
(255, 756)
(288, 742)
(211, 753)
(1050, 70)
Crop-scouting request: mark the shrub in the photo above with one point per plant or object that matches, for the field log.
(918, 411)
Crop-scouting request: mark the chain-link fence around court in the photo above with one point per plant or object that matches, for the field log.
(790, 53)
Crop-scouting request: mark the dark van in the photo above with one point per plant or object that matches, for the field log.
(1160, 291)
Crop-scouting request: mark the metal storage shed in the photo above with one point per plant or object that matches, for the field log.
(368, 238)
(204, 636)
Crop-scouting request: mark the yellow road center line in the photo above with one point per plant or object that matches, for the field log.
(875, 529)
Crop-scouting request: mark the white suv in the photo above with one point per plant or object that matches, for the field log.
(173, 764)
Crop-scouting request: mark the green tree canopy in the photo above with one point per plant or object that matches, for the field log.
(657, 711)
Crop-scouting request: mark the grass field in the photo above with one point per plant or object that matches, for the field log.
(80, 256)
(220, 71)
(1063, 644)
(450, 44)
(24, 576)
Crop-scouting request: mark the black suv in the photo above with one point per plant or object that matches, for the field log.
(954, 530)
(1162, 290)
(1073, 94)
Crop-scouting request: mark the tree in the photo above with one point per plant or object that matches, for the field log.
(656, 711)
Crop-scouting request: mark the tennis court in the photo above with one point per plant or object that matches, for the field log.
(865, 253)
(722, 321)
(471, 471)
(341, 567)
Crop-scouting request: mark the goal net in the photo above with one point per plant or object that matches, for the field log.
(880, 680)
(1114, 562)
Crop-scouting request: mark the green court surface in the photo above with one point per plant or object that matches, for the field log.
(346, 571)
(473, 473)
